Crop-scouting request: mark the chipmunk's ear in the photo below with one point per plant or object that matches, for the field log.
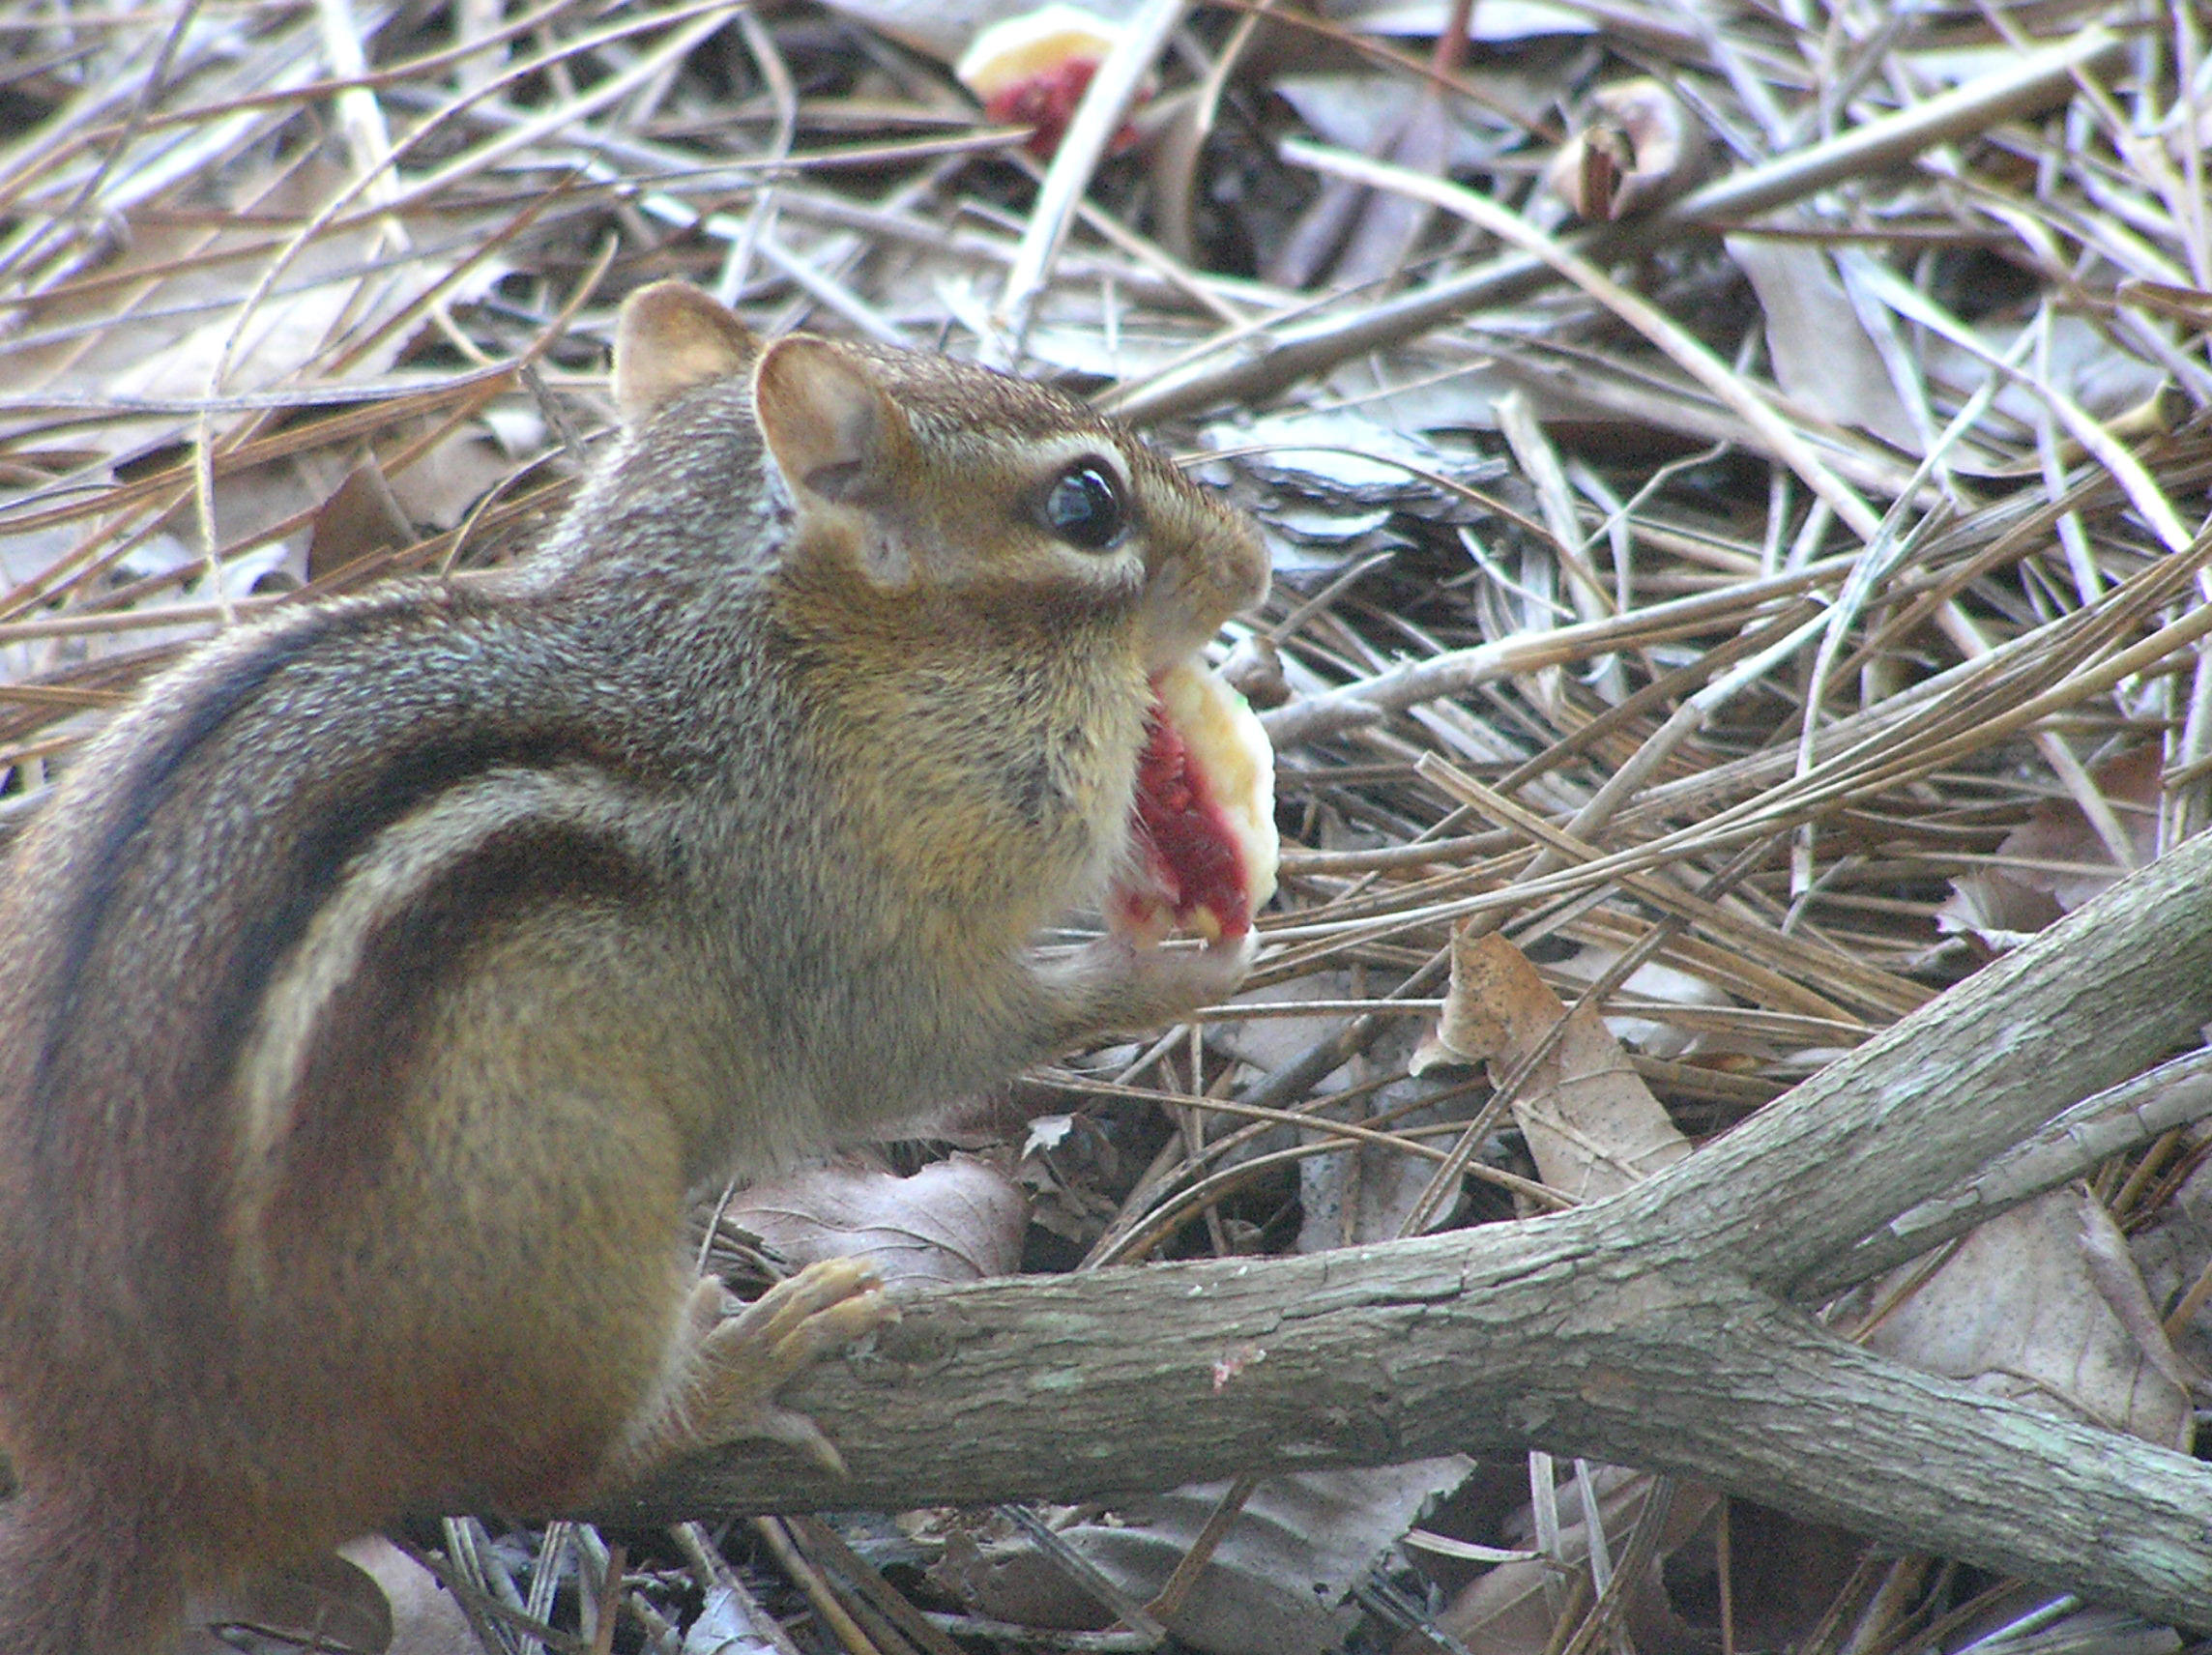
(670, 338)
(835, 431)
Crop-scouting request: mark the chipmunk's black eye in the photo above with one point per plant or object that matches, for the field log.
(1083, 507)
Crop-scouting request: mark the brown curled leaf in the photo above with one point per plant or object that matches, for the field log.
(1638, 147)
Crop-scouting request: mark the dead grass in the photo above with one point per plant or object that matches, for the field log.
(1838, 617)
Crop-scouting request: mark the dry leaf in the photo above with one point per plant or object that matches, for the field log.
(360, 518)
(2003, 906)
(2018, 1312)
(330, 1605)
(1272, 1587)
(1653, 981)
(1507, 1611)
(1591, 1123)
(1640, 146)
(728, 1625)
(2173, 1251)
(190, 316)
(425, 1618)
(1822, 358)
(1367, 1192)
(956, 1220)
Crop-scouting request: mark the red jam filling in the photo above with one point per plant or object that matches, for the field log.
(1045, 102)
(1192, 857)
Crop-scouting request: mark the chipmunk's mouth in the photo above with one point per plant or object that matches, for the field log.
(1204, 824)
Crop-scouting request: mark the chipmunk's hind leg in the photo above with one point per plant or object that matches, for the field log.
(81, 1578)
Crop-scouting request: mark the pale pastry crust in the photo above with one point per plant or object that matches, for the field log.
(1231, 749)
(1202, 837)
(1033, 43)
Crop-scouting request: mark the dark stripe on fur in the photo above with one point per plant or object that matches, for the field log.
(314, 862)
(373, 1028)
(138, 794)
(318, 864)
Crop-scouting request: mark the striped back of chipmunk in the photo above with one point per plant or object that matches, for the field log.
(265, 866)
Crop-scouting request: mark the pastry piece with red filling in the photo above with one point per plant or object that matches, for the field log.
(1204, 833)
(1031, 70)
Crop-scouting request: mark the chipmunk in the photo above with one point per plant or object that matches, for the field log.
(376, 990)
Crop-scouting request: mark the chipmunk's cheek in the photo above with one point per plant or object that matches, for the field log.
(1205, 818)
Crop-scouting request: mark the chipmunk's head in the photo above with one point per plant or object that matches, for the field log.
(923, 474)
(934, 504)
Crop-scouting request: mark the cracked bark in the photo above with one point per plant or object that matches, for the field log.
(1652, 1329)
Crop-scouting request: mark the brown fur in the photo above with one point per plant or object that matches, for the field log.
(377, 988)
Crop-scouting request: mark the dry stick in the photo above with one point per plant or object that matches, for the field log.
(700, 18)
(1320, 1125)
(1958, 722)
(1929, 703)
(1086, 1573)
(835, 1615)
(2073, 774)
(601, 168)
(2112, 1122)
(1753, 818)
(1646, 318)
(120, 181)
(1444, 1181)
(2076, 687)
(1644, 1330)
(1175, 173)
(625, 162)
(890, 1602)
(1164, 1201)
(1458, 671)
(1630, 1578)
(1663, 689)
(1722, 654)
(278, 397)
(1299, 862)
(1588, 821)
(2074, 1010)
(1865, 768)
(41, 164)
(2028, 87)
(1329, 1054)
(2142, 489)
(650, 62)
(1191, 1565)
(1104, 100)
(1876, 988)
(608, 1605)
(1569, 848)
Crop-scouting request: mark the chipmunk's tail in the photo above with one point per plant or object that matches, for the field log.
(79, 1580)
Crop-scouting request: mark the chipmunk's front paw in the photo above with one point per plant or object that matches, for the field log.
(1121, 985)
(1205, 975)
(748, 1355)
(732, 1360)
